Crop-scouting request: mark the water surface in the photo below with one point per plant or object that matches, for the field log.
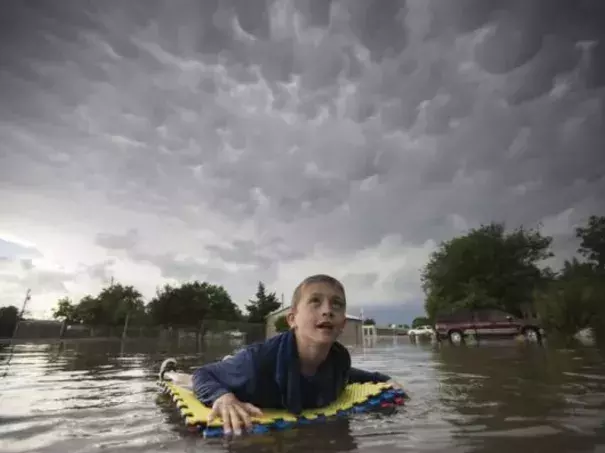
(91, 397)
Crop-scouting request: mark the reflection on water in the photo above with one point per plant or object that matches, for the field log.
(102, 396)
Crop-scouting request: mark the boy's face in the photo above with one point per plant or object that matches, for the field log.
(320, 314)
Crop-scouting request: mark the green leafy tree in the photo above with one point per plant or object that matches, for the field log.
(574, 298)
(487, 267)
(66, 311)
(90, 311)
(281, 324)
(369, 322)
(263, 305)
(191, 303)
(118, 302)
(110, 307)
(221, 305)
(9, 317)
(592, 237)
(570, 302)
(184, 305)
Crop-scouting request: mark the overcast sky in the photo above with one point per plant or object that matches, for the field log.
(243, 140)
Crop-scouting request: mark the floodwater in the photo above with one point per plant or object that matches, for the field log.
(506, 397)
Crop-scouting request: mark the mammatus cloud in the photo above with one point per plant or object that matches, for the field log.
(216, 140)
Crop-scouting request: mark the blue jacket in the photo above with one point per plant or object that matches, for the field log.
(268, 376)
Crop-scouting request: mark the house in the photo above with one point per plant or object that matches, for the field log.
(351, 336)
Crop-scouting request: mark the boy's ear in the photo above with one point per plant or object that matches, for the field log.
(290, 318)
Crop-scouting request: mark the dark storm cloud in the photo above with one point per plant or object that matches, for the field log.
(359, 280)
(170, 264)
(326, 124)
(100, 271)
(262, 253)
(175, 267)
(126, 241)
(187, 268)
(253, 260)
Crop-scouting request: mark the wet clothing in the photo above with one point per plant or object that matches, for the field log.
(268, 375)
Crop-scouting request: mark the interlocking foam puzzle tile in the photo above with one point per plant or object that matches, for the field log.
(355, 398)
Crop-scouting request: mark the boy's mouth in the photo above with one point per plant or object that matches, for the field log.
(325, 326)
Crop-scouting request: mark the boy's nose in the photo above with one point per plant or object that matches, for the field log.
(326, 310)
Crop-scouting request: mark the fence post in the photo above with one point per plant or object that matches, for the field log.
(125, 331)
(63, 327)
(200, 334)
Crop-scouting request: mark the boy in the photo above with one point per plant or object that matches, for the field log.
(302, 368)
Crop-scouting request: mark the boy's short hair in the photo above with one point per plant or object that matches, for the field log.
(317, 278)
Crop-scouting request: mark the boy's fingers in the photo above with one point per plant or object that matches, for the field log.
(212, 414)
(235, 423)
(226, 416)
(235, 415)
(244, 416)
(395, 384)
(253, 410)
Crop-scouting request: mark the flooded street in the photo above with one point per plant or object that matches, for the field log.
(494, 398)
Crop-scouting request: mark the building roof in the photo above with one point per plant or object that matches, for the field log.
(283, 309)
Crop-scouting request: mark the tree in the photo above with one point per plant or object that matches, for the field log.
(487, 267)
(574, 298)
(90, 311)
(263, 305)
(191, 304)
(420, 321)
(185, 305)
(281, 324)
(9, 317)
(66, 311)
(110, 307)
(369, 322)
(221, 305)
(592, 245)
(570, 302)
(117, 302)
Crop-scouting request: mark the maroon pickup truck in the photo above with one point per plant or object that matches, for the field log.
(485, 323)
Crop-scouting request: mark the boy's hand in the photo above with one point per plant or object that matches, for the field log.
(234, 413)
(395, 384)
(398, 386)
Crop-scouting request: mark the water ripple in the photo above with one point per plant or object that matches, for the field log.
(57, 399)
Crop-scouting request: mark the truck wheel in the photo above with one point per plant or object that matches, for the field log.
(455, 336)
(532, 335)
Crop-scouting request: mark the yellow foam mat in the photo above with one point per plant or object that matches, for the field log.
(196, 414)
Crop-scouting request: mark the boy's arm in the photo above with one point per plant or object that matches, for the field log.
(357, 375)
(231, 375)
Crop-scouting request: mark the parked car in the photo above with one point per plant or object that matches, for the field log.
(421, 331)
(485, 323)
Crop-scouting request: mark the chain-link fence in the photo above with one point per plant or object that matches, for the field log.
(210, 331)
